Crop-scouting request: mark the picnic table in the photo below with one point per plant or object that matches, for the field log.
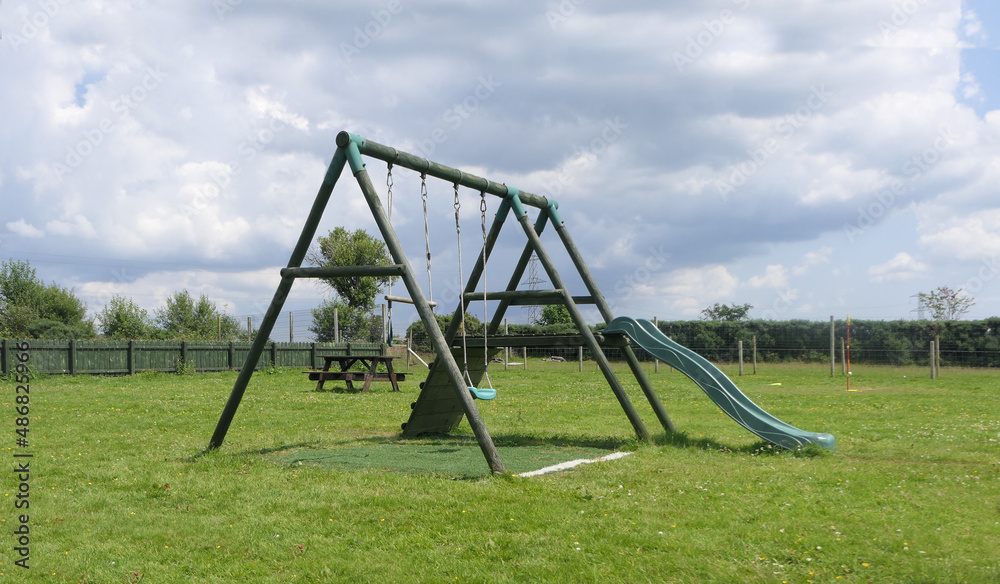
(370, 373)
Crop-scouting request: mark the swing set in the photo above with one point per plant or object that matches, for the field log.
(455, 378)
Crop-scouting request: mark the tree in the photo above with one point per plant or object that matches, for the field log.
(124, 319)
(19, 284)
(343, 248)
(15, 320)
(945, 303)
(554, 314)
(29, 307)
(183, 318)
(60, 304)
(44, 328)
(355, 324)
(727, 312)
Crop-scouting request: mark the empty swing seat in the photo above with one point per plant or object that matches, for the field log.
(482, 393)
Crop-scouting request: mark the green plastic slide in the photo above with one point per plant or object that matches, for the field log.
(714, 382)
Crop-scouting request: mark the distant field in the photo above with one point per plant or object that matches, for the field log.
(300, 491)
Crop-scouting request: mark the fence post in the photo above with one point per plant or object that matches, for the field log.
(249, 329)
(656, 362)
(3, 356)
(72, 357)
(524, 357)
(184, 355)
(937, 355)
(579, 355)
(274, 354)
(385, 328)
(932, 353)
(739, 351)
(506, 350)
(336, 325)
(833, 353)
(409, 346)
(130, 357)
(312, 355)
(755, 354)
(291, 327)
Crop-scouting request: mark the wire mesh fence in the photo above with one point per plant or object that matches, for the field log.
(881, 343)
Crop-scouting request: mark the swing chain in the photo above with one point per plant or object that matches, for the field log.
(388, 204)
(486, 306)
(388, 197)
(458, 231)
(427, 235)
(461, 297)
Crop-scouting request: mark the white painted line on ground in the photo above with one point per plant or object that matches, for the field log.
(572, 463)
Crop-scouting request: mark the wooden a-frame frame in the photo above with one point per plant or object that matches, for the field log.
(444, 397)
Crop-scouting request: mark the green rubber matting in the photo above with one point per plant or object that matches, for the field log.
(454, 457)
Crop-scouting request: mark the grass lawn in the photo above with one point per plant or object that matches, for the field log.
(299, 492)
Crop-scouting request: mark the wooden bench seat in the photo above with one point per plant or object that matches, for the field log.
(351, 376)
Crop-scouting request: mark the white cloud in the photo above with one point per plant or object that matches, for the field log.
(151, 290)
(690, 290)
(973, 26)
(774, 277)
(901, 267)
(813, 258)
(25, 229)
(615, 251)
(966, 238)
(970, 87)
(265, 106)
(75, 226)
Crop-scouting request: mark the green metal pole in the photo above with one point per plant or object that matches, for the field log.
(602, 306)
(588, 335)
(298, 254)
(442, 348)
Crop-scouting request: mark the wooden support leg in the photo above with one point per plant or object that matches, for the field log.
(319, 384)
(369, 375)
(392, 376)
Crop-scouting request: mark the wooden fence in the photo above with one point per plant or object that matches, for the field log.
(129, 357)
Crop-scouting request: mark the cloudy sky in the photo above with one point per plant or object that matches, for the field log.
(808, 158)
